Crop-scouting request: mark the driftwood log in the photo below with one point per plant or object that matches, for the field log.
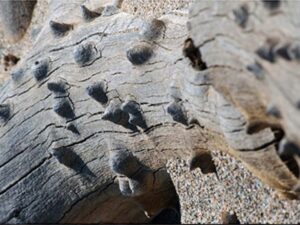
(104, 99)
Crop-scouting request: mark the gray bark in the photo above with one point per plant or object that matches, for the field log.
(15, 17)
(98, 107)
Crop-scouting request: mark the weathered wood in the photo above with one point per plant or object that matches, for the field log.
(15, 17)
(96, 112)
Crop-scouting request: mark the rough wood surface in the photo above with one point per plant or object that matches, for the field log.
(15, 17)
(93, 113)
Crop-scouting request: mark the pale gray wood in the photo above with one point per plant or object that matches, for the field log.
(15, 17)
(223, 107)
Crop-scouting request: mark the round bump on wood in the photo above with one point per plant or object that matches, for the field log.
(288, 148)
(123, 162)
(295, 51)
(64, 155)
(267, 50)
(68, 157)
(153, 29)
(40, 69)
(89, 15)
(177, 113)
(266, 53)
(135, 113)
(284, 51)
(139, 54)
(84, 53)
(60, 29)
(4, 111)
(71, 127)
(63, 108)
(109, 10)
(97, 91)
(256, 69)
(57, 87)
(272, 110)
(241, 15)
(17, 74)
(114, 114)
(288, 51)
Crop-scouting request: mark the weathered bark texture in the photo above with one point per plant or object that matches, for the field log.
(15, 17)
(93, 113)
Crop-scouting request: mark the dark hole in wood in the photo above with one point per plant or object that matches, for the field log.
(291, 163)
(10, 60)
(171, 214)
(166, 216)
(271, 4)
(194, 54)
(203, 161)
(287, 152)
(278, 133)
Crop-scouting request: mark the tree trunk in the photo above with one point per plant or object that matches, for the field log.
(104, 99)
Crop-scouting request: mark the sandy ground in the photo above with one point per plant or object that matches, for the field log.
(206, 198)
(153, 8)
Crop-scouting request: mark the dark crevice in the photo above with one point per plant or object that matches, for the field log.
(150, 129)
(204, 161)
(194, 55)
(291, 163)
(259, 148)
(101, 34)
(271, 4)
(166, 216)
(171, 212)
(278, 134)
(286, 151)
